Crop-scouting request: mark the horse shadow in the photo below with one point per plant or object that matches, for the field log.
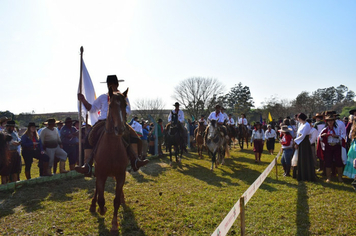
(32, 197)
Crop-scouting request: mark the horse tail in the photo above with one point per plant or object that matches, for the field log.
(227, 152)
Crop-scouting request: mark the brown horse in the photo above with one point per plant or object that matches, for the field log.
(110, 156)
(199, 138)
(232, 132)
(244, 135)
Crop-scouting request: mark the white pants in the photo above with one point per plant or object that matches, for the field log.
(55, 152)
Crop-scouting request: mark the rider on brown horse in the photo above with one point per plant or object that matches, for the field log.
(101, 103)
(219, 117)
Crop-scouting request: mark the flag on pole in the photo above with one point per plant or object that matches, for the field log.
(261, 118)
(269, 117)
(89, 93)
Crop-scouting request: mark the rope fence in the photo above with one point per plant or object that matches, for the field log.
(239, 207)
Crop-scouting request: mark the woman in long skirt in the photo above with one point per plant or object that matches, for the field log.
(306, 171)
(349, 170)
(257, 138)
(270, 136)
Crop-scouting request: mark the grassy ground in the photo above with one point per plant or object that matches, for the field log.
(185, 199)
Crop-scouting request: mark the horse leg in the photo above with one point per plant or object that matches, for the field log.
(100, 187)
(213, 160)
(176, 147)
(93, 201)
(120, 180)
(170, 154)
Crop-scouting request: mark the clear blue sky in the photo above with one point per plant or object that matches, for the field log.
(275, 47)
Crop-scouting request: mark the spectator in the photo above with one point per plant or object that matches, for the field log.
(160, 136)
(15, 159)
(52, 145)
(257, 138)
(32, 148)
(349, 170)
(331, 138)
(313, 135)
(270, 136)
(69, 137)
(144, 138)
(287, 147)
(305, 166)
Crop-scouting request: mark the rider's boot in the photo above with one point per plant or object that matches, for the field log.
(135, 162)
(86, 168)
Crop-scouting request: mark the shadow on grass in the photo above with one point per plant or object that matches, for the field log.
(302, 220)
(31, 197)
(129, 226)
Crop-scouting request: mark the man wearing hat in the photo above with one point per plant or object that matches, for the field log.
(101, 104)
(202, 120)
(69, 137)
(183, 130)
(219, 117)
(14, 168)
(353, 112)
(52, 144)
(3, 121)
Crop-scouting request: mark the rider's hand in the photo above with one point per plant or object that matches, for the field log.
(81, 97)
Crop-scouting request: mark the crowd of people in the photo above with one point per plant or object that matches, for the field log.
(322, 143)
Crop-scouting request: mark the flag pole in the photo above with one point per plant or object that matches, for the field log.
(80, 105)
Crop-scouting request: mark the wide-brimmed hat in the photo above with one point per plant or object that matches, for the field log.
(320, 115)
(329, 112)
(330, 117)
(112, 79)
(68, 119)
(30, 124)
(217, 105)
(59, 122)
(269, 125)
(51, 120)
(257, 123)
(11, 123)
(176, 104)
(284, 128)
(352, 111)
(4, 118)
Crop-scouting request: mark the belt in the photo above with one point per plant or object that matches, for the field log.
(333, 144)
(286, 148)
(70, 145)
(29, 148)
(12, 150)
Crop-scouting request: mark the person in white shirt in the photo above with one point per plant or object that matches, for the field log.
(305, 166)
(313, 136)
(202, 120)
(242, 120)
(102, 104)
(270, 136)
(219, 117)
(224, 114)
(230, 120)
(258, 140)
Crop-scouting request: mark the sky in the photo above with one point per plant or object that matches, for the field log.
(276, 48)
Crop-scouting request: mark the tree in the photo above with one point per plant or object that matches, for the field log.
(196, 94)
(145, 107)
(239, 99)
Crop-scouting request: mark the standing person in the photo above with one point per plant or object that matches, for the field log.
(14, 168)
(160, 136)
(313, 135)
(348, 131)
(305, 166)
(102, 104)
(32, 148)
(258, 139)
(52, 145)
(69, 137)
(331, 138)
(270, 136)
(287, 147)
(144, 138)
(319, 125)
(350, 170)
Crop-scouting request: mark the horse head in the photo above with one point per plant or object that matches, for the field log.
(117, 112)
(174, 120)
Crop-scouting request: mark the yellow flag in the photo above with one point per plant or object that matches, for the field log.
(269, 117)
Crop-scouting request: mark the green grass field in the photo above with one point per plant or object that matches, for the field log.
(184, 199)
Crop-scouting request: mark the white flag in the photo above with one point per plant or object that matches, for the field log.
(89, 93)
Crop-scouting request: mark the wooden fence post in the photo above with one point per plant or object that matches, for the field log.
(276, 168)
(242, 215)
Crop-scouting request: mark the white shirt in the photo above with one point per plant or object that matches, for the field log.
(230, 121)
(102, 104)
(256, 134)
(313, 135)
(180, 116)
(342, 129)
(218, 117)
(303, 130)
(270, 134)
(243, 121)
(225, 116)
(137, 127)
(203, 120)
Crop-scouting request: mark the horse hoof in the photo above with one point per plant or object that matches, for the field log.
(92, 209)
(102, 212)
(114, 231)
